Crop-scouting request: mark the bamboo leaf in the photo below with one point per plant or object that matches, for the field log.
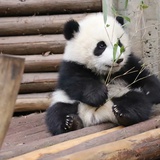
(114, 11)
(104, 9)
(115, 47)
(122, 49)
(126, 4)
(127, 18)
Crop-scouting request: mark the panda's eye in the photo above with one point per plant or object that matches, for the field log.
(101, 45)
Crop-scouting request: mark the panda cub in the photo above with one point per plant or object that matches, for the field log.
(96, 87)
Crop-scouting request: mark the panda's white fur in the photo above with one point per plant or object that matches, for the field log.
(78, 53)
(92, 34)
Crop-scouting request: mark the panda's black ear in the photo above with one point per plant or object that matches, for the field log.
(120, 20)
(70, 28)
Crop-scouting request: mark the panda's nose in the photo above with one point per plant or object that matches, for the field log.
(119, 60)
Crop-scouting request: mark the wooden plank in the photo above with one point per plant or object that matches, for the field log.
(80, 144)
(142, 146)
(38, 82)
(33, 102)
(16, 26)
(42, 63)
(11, 70)
(33, 125)
(31, 7)
(28, 45)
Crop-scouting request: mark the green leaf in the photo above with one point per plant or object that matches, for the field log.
(114, 11)
(143, 6)
(122, 49)
(115, 47)
(127, 18)
(104, 9)
(126, 4)
(107, 25)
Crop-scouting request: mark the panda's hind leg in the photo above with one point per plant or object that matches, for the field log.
(62, 118)
(131, 108)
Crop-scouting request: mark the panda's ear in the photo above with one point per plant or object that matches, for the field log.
(70, 28)
(120, 20)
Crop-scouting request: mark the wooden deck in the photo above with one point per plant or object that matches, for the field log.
(34, 31)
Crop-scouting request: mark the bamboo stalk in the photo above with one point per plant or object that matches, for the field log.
(11, 70)
(31, 7)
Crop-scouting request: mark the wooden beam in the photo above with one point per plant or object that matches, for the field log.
(33, 102)
(11, 70)
(17, 26)
(31, 7)
(64, 145)
(42, 63)
(142, 146)
(38, 82)
(69, 147)
(27, 125)
(29, 45)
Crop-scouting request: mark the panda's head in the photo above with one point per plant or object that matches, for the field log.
(90, 43)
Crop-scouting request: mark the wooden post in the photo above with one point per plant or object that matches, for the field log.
(11, 70)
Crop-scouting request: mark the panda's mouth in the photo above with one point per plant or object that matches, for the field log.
(113, 66)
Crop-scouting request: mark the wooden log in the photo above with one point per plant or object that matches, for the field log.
(42, 63)
(69, 147)
(11, 70)
(17, 26)
(64, 145)
(32, 102)
(31, 7)
(38, 82)
(28, 45)
(142, 146)
(20, 145)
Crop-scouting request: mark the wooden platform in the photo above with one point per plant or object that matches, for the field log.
(28, 133)
(34, 31)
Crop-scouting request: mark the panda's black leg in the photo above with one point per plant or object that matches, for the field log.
(62, 118)
(131, 108)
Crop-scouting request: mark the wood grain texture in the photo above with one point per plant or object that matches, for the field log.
(33, 102)
(11, 70)
(142, 146)
(63, 149)
(27, 131)
(51, 24)
(31, 7)
(38, 82)
(29, 45)
(42, 63)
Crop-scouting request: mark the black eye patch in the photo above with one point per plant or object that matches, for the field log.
(101, 46)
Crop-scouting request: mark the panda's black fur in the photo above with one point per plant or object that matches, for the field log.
(82, 98)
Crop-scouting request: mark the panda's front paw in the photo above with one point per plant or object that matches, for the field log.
(68, 123)
(122, 117)
(116, 111)
(72, 122)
